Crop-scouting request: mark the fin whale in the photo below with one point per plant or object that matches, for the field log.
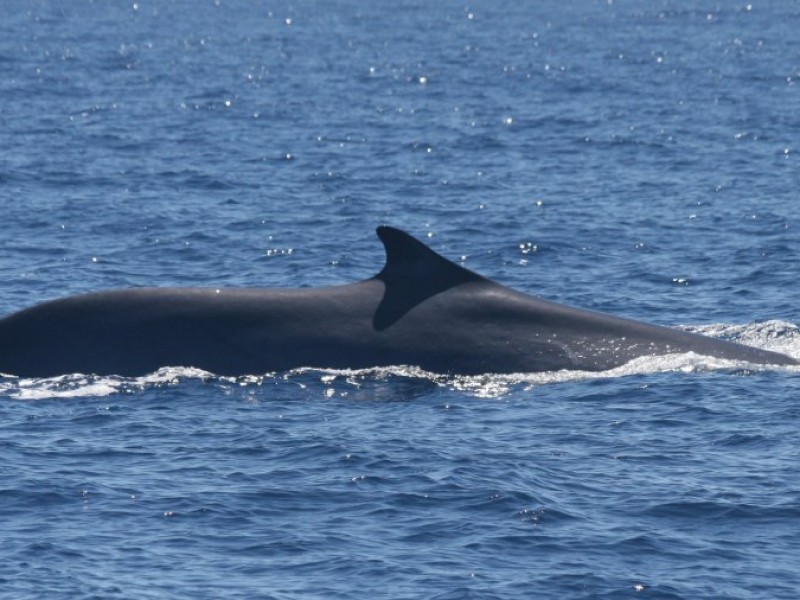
(420, 309)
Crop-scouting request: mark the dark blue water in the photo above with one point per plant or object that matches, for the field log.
(639, 158)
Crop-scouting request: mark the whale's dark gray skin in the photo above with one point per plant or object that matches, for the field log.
(420, 310)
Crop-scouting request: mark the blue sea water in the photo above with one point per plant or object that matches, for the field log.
(634, 157)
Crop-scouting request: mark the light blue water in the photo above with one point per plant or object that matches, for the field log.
(639, 158)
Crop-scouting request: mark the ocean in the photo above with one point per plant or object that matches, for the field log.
(634, 157)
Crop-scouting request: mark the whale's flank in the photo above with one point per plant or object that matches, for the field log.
(420, 309)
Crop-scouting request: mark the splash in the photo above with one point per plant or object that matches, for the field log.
(776, 336)
(77, 385)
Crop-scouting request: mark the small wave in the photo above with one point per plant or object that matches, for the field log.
(78, 385)
(714, 509)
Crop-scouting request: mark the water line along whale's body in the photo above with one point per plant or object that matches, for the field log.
(420, 310)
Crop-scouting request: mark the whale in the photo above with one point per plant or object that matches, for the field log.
(420, 310)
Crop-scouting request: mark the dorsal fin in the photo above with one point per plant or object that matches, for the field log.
(412, 274)
(407, 257)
